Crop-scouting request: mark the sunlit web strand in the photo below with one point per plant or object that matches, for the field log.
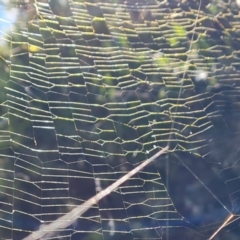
(69, 218)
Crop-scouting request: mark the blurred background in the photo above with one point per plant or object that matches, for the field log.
(89, 90)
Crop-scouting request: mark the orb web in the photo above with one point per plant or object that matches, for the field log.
(93, 89)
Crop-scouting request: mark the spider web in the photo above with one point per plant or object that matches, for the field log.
(94, 89)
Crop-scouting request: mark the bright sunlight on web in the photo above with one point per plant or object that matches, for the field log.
(119, 120)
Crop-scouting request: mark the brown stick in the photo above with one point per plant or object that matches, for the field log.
(69, 218)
